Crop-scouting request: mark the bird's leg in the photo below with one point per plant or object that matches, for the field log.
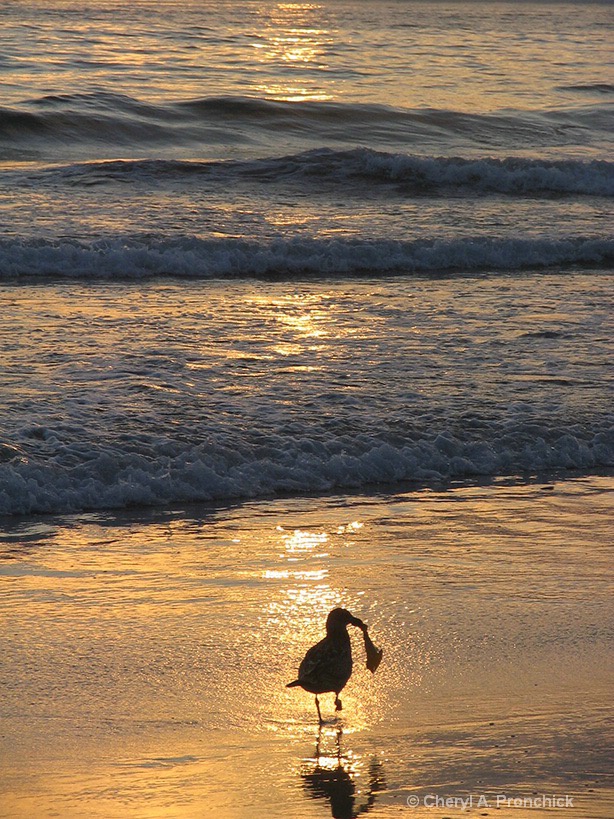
(319, 712)
(338, 706)
(318, 742)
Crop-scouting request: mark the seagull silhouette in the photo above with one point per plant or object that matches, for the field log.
(327, 666)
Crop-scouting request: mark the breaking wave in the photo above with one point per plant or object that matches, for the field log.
(137, 257)
(81, 477)
(408, 174)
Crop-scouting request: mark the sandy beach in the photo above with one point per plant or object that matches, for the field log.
(145, 657)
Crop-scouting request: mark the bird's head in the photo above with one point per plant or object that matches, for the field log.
(340, 618)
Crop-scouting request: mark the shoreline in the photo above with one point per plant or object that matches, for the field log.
(150, 513)
(145, 660)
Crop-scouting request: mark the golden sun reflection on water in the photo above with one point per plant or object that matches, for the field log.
(347, 780)
(144, 661)
(297, 318)
(294, 36)
(301, 594)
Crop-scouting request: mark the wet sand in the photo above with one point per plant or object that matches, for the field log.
(145, 657)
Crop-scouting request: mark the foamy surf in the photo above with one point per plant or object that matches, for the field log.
(89, 476)
(401, 174)
(139, 257)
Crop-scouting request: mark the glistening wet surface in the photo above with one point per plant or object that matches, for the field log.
(144, 673)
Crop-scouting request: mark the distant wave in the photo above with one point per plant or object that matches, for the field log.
(76, 125)
(81, 475)
(593, 87)
(407, 174)
(146, 256)
(116, 119)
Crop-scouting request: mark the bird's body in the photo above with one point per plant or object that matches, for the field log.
(327, 666)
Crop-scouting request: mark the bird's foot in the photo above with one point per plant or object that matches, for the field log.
(338, 705)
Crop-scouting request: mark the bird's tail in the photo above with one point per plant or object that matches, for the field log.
(293, 684)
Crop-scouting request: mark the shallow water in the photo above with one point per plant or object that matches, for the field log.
(272, 248)
(159, 392)
(145, 657)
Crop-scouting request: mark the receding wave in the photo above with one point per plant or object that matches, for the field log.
(404, 173)
(143, 257)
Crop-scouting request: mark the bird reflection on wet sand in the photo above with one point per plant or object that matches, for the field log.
(333, 778)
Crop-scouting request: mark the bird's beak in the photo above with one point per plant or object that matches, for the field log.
(355, 621)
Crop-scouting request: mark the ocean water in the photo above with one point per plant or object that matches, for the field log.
(256, 249)
(305, 305)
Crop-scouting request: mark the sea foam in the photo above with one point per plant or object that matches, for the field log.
(406, 174)
(107, 477)
(142, 257)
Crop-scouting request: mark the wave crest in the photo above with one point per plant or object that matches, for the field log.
(116, 119)
(190, 257)
(108, 478)
(407, 174)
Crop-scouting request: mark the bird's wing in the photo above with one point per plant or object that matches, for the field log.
(327, 666)
(317, 659)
